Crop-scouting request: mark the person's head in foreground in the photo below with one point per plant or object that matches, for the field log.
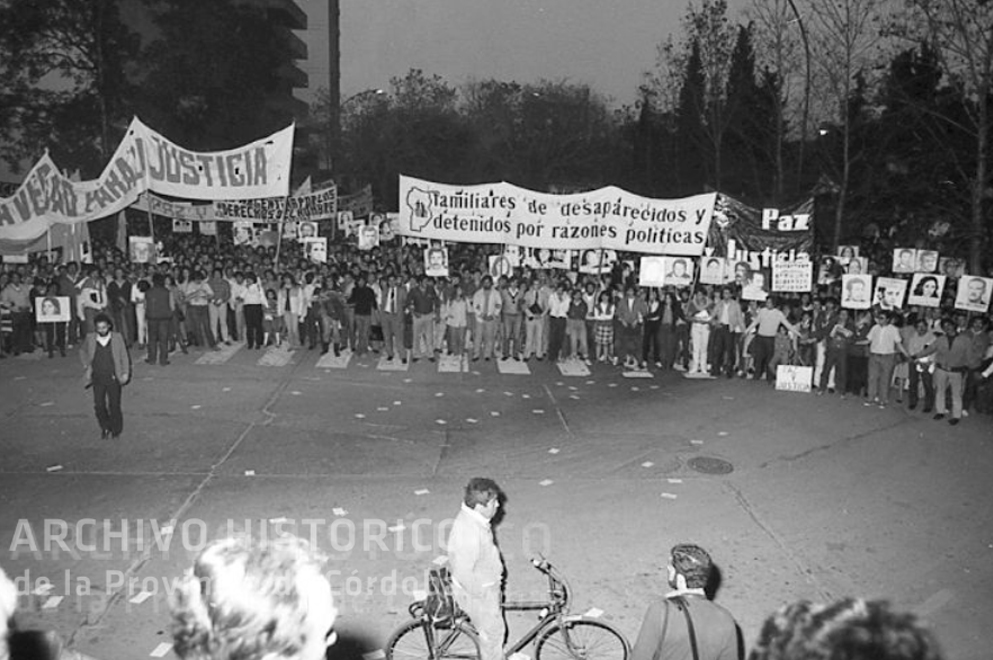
(850, 629)
(246, 600)
(482, 496)
(689, 567)
(8, 603)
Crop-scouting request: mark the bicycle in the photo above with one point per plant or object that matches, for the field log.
(557, 635)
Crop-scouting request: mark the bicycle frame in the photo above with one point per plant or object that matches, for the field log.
(557, 606)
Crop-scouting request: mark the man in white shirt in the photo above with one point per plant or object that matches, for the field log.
(884, 343)
(477, 566)
(486, 304)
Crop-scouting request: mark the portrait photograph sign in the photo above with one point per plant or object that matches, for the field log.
(847, 252)
(951, 266)
(856, 291)
(973, 294)
(927, 261)
(52, 309)
(857, 266)
(651, 272)
(208, 227)
(436, 262)
(926, 290)
(597, 262)
(315, 249)
(757, 286)
(711, 270)
(244, 232)
(306, 230)
(678, 271)
(182, 226)
(368, 237)
(904, 260)
(141, 249)
(890, 293)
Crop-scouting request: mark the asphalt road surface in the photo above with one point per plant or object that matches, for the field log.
(826, 498)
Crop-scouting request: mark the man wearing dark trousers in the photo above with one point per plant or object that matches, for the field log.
(107, 368)
(158, 313)
(685, 624)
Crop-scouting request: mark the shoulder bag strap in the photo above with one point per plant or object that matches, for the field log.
(684, 606)
(665, 627)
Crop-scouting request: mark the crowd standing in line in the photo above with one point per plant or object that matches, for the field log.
(208, 293)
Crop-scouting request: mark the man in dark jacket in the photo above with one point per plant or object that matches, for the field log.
(158, 312)
(107, 368)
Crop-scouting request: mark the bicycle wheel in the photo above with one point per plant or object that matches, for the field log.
(581, 639)
(418, 640)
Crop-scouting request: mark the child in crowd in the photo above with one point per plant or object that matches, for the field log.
(603, 325)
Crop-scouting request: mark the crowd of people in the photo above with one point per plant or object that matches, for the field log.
(251, 599)
(208, 292)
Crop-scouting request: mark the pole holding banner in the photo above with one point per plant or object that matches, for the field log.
(279, 233)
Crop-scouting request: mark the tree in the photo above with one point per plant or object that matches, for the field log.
(783, 56)
(699, 68)
(845, 36)
(961, 32)
(64, 76)
(210, 71)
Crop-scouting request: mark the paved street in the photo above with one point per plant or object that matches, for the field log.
(827, 498)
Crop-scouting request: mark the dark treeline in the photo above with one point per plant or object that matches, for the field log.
(892, 140)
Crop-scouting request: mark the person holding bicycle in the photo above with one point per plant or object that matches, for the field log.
(477, 565)
(685, 625)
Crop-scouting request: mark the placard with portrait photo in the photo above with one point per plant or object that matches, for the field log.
(597, 262)
(857, 266)
(757, 286)
(856, 291)
(436, 262)
(973, 294)
(952, 267)
(141, 249)
(369, 237)
(243, 232)
(712, 270)
(926, 290)
(846, 253)
(52, 309)
(182, 226)
(315, 249)
(890, 293)
(678, 271)
(651, 272)
(307, 230)
(904, 260)
(927, 261)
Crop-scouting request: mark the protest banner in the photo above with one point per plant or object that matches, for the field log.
(145, 160)
(607, 218)
(309, 207)
(359, 203)
(743, 233)
(795, 276)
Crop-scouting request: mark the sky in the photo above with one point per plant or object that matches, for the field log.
(607, 44)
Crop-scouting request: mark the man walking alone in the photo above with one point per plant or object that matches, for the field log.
(107, 368)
